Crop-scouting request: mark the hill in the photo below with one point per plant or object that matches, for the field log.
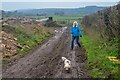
(57, 11)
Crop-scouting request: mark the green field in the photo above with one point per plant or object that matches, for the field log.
(59, 17)
(63, 20)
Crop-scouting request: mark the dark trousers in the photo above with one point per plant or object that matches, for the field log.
(77, 41)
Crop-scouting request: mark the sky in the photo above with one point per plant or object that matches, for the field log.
(60, 0)
(8, 6)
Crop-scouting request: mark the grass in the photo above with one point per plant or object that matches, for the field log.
(61, 17)
(98, 50)
(32, 40)
(58, 17)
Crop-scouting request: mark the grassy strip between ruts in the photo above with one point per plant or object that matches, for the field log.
(98, 52)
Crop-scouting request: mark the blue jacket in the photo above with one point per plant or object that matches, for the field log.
(76, 31)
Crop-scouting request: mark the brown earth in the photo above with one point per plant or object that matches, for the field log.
(45, 61)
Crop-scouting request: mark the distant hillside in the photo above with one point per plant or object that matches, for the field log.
(59, 11)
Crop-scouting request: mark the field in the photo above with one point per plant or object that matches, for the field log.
(63, 20)
(60, 17)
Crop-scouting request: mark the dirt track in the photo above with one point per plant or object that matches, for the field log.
(45, 61)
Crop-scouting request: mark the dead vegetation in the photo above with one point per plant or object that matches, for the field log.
(18, 38)
(105, 22)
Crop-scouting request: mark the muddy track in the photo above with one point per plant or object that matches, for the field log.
(45, 61)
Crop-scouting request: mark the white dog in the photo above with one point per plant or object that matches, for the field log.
(67, 63)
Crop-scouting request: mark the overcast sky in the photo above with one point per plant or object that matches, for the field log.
(38, 5)
(60, 0)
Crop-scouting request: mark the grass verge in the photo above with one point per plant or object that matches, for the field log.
(98, 52)
(28, 39)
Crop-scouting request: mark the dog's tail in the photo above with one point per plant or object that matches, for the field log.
(63, 58)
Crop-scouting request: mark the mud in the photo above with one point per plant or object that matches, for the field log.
(46, 62)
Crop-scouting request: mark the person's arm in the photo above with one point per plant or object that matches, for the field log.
(80, 32)
(71, 31)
